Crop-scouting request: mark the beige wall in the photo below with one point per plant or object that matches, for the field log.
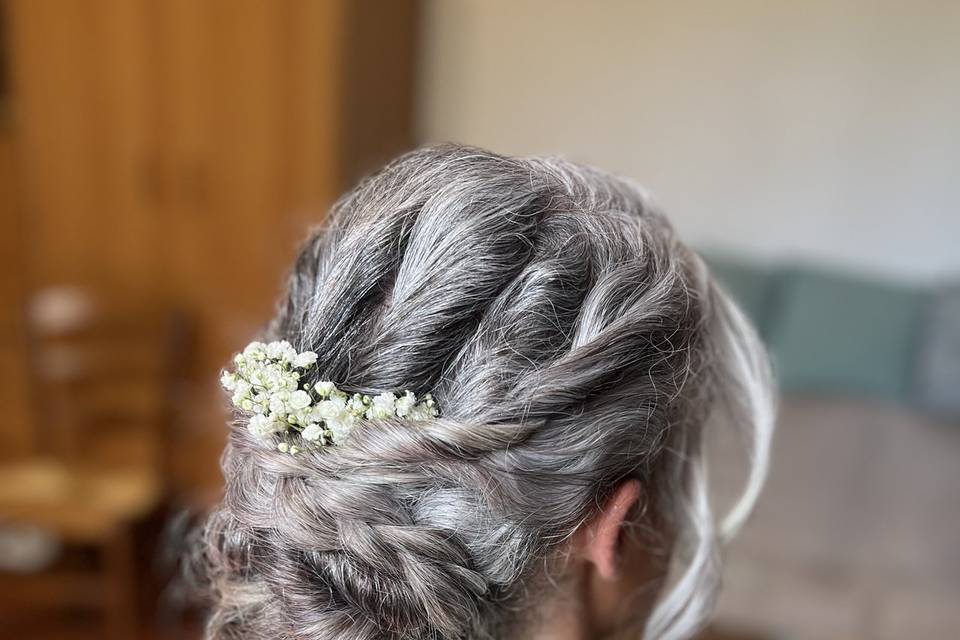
(825, 130)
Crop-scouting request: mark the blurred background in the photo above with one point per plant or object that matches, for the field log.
(160, 160)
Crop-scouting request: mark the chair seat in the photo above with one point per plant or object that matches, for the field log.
(81, 505)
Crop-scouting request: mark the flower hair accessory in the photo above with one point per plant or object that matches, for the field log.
(267, 384)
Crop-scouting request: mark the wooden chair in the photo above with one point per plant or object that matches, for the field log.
(104, 375)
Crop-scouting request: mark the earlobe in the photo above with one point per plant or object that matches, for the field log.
(603, 534)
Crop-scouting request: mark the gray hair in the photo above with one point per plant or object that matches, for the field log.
(571, 342)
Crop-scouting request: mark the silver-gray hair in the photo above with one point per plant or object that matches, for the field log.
(571, 341)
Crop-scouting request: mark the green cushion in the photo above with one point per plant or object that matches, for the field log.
(751, 284)
(937, 383)
(839, 333)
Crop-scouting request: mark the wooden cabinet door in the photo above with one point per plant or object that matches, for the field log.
(248, 126)
(76, 157)
(249, 113)
(182, 148)
(82, 106)
(16, 436)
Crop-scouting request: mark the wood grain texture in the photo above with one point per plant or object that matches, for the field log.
(183, 149)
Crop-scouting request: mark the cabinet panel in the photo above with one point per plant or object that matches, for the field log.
(181, 149)
(249, 115)
(81, 113)
(16, 437)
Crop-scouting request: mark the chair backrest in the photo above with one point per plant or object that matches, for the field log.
(105, 371)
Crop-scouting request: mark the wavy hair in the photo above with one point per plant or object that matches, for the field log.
(571, 341)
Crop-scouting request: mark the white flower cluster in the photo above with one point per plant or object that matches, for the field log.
(267, 385)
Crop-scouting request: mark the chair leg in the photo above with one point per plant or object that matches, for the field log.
(119, 557)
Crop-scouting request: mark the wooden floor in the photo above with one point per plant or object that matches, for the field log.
(857, 535)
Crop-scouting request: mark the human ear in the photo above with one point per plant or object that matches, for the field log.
(602, 536)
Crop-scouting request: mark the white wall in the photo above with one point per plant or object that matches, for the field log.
(818, 129)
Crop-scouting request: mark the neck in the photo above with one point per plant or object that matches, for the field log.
(565, 616)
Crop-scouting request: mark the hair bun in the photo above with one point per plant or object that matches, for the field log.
(339, 558)
(571, 342)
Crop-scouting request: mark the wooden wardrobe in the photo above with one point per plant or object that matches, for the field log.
(178, 151)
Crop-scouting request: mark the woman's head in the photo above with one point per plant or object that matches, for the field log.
(576, 349)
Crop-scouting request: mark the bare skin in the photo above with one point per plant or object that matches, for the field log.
(612, 580)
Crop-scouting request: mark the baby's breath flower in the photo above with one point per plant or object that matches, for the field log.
(255, 352)
(228, 380)
(281, 351)
(329, 409)
(324, 388)
(356, 405)
(341, 426)
(241, 392)
(405, 403)
(422, 412)
(278, 405)
(268, 384)
(305, 360)
(299, 400)
(313, 432)
(262, 426)
(384, 405)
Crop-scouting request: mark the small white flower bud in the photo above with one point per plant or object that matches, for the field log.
(228, 380)
(312, 432)
(305, 359)
(324, 388)
(299, 400)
